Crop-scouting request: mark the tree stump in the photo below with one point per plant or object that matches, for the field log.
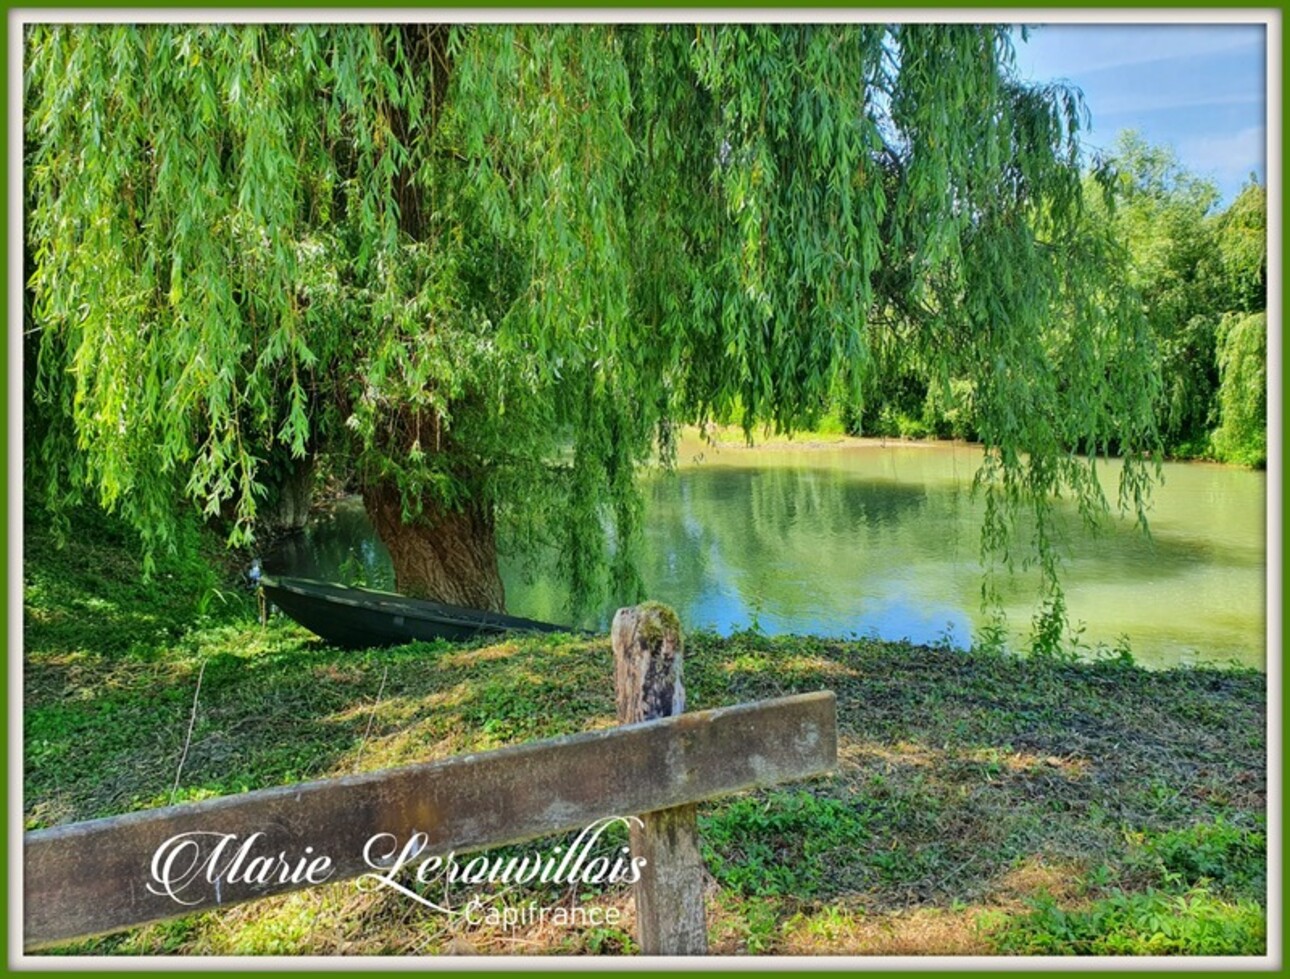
(647, 680)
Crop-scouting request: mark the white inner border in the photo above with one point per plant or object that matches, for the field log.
(1272, 18)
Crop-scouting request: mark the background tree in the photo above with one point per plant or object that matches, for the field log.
(1242, 336)
(1242, 435)
(491, 268)
(1200, 272)
(1163, 214)
(1242, 236)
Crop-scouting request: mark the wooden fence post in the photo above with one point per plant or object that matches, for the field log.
(647, 681)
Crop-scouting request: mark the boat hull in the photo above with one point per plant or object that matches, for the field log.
(359, 618)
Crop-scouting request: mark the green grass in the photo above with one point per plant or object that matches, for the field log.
(1151, 923)
(781, 843)
(983, 803)
(1228, 856)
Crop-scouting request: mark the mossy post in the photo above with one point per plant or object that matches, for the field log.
(647, 680)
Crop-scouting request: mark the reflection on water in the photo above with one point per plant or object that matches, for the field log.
(885, 541)
(338, 544)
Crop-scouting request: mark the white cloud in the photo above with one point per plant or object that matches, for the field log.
(1080, 50)
(1228, 159)
(1130, 103)
(1201, 88)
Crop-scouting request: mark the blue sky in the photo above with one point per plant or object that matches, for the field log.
(1200, 88)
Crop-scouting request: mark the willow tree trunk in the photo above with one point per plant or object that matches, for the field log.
(290, 498)
(445, 555)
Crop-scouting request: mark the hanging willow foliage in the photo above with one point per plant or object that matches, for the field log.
(495, 266)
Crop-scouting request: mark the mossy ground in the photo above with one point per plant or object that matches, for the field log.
(984, 804)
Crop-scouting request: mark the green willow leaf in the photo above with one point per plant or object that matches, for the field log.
(491, 268)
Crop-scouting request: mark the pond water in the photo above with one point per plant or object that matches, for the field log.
(860, 539)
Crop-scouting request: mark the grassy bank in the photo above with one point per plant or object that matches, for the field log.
(832, 430)
(983, 804)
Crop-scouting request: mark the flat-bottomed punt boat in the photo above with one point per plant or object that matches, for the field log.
(357, 618)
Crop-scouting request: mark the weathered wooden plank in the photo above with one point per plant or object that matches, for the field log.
(93, 877)
(648, 657)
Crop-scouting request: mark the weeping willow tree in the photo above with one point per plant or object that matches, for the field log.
(494, 267)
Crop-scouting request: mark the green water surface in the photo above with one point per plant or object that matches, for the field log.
(862, 539)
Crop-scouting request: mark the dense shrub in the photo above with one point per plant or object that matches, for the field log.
(1242, 435)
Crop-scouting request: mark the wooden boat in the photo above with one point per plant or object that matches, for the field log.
(357, 618)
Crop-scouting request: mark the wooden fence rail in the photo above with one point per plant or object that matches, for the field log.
(93, 877)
